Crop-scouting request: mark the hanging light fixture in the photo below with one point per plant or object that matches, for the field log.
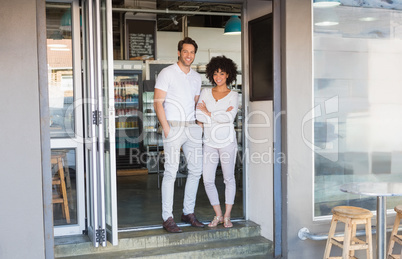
(233, 26)
(326, 3)
(65, 22)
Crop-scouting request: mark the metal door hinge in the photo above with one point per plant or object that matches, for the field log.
(96, 117)
(101, 235)
(99, 117)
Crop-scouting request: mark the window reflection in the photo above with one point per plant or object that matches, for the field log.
(63, 162)
(60, 70)
(357, 90)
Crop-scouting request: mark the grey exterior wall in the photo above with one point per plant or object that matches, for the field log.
(298, 58)
(21, 203)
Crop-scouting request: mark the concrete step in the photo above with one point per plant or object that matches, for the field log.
(240, 248)
(243, 238)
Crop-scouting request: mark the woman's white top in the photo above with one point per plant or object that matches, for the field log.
(219, 129)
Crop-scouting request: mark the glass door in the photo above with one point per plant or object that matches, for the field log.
(66, 129)
(108, 128)
(95, 201)
(99, 107)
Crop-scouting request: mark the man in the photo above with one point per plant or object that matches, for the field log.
(177, 91)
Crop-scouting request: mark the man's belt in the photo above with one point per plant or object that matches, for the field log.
(180, 123)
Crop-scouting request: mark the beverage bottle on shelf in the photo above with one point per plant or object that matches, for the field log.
(119, 93)
(124, 94)
(118, 99)
(115, 91)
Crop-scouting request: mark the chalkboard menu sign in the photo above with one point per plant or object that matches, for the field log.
(141, 39)
(261, 58)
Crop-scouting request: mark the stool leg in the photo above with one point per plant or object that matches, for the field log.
(331, 233)
(352, 252)
(347, 239)
(393, 233)
(63, 190)
(369, 239)
(67, 171)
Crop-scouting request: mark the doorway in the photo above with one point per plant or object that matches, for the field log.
(86, 147)
(138, 184)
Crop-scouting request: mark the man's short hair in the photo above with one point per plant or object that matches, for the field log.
(187, 40)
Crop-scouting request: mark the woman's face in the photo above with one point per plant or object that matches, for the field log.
(220, 77)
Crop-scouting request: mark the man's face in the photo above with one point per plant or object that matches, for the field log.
(187, 55)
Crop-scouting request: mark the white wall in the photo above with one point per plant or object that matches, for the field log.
(166, 45)
(21, 203)
(211, 42)
(259, 144)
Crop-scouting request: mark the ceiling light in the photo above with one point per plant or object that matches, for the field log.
(65, 23)
(326, 3)
(173, 17)
(326, 17)
(58, 49)
(326, 23)
(57, 45)
(233, 26)
(368, 19)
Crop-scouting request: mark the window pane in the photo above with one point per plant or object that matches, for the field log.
(60, 70)
(357, 95)
(64, 187)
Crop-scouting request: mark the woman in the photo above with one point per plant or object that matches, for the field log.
(217, 109)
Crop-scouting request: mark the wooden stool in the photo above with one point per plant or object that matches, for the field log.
(351, 216)
(63, 153)
(59, 180)
(394, 234)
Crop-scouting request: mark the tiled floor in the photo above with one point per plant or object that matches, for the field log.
(139, 200)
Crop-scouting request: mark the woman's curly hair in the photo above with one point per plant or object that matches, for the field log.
(223, 63)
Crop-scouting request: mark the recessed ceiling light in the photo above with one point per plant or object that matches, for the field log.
(326, 23)
(368, 19)
(57, 45)
(326, 3)
(57, 49)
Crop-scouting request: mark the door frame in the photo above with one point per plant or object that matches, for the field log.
(100, 133)
(74, 142)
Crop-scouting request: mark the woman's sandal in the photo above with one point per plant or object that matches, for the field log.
(227, 223)
(216, 221)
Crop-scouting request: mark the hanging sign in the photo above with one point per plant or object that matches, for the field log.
(141, 40)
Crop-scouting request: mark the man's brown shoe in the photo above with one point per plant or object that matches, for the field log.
(171, 226)
(191, 219)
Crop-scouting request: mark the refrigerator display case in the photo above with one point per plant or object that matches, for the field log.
(128, 110)
(153, 144)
